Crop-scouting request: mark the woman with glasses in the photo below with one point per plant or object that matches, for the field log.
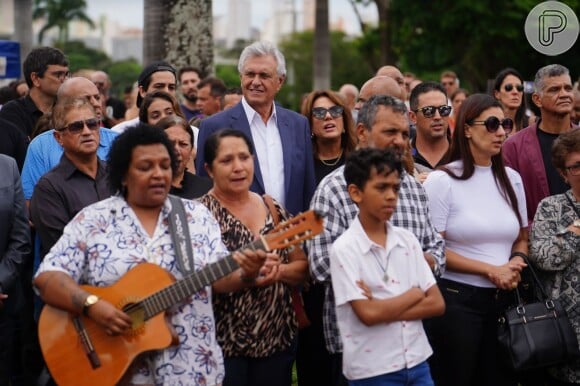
(508, 89)
(555, 243)
(332, 130)
(478, 206)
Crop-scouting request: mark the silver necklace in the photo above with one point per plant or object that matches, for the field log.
(385, 268)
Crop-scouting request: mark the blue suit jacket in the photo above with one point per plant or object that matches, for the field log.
(299, 180)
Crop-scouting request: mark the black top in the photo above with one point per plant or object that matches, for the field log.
(13, 142)
(192, 186)
(22, 113)
(60, 194)
(555, 181)
(321, 169)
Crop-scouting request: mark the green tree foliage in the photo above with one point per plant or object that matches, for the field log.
(229, 74)
(348, 65)
(58, 14)
(82, 57)
(475, 39)
(122, 74)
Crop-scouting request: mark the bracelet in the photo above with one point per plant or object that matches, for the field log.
(520, 254)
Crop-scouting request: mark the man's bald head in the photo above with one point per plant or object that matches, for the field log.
(102, 81)
(80, 87)
(379, 85)
(349, 92)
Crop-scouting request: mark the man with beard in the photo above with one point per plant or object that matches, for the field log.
(430, 114)
(188, 81)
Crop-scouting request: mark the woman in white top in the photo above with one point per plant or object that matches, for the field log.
(479, 207)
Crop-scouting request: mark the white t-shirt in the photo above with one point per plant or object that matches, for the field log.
(122, 126)
(387, 347)
(477, 220)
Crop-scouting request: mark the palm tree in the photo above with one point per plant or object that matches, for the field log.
(179, 32)
(321, 55)
(23, 26)
(59, 13)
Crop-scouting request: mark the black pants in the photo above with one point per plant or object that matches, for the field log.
(464, 339)
(312, 359)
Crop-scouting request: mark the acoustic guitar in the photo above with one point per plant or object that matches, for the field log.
(78, 352)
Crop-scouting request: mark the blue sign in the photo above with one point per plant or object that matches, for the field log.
(9, 59)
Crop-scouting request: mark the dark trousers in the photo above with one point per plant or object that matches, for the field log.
(273, 370)
(312, 358)
(464, 339)
(337, 377)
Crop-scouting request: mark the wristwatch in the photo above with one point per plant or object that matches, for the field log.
(89, 301)
(576, 223)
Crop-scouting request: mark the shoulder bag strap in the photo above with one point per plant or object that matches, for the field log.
(270, 204)
(572, 204)
(180, 235)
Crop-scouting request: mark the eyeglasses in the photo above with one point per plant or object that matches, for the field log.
(78, 126)
(320, 112)
(60, 75)
(509, 87)
(492, 124)
(429, 111)
(574, 169)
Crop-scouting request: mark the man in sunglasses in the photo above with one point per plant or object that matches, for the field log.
(44, 69)
(529, 151)
(430, 114)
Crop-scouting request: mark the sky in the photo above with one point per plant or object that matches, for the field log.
(129, 13)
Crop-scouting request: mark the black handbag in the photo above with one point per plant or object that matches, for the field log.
(537, 334)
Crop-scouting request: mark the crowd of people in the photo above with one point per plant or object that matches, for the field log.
(435, 200)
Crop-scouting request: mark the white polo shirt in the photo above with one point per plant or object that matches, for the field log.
(388, 347)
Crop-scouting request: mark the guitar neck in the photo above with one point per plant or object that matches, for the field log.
(192, 283)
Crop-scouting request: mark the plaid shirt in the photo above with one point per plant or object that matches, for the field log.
(331, 198)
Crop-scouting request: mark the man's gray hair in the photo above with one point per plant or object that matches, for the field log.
(263, 49)
(548, 71)
(368, 111)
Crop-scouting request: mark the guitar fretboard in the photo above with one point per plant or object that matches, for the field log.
(192, 283)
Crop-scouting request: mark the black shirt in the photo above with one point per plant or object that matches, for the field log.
(192, 186)
(60, 194)
(322, 169)
(556, 183)
(13, 142)
(22, 113)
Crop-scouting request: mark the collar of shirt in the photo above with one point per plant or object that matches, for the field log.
(251, 113)
(365, 244)
(30, 106)
(69, 168)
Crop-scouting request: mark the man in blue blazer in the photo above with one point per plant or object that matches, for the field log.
(284, 166)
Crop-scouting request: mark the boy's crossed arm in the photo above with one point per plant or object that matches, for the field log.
(413, 304)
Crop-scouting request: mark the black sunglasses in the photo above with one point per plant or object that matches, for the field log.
(78, 126)
(320, 112)
(429, 111)
(509, 87)
(492, 124)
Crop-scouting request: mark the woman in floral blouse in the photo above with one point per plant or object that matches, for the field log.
(555, 244)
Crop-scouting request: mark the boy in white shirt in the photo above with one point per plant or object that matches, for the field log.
(382, 284)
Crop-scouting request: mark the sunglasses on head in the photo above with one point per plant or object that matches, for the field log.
(492, 124)
(509, 87)
(429, 111)
(320, 112)
(78, 126)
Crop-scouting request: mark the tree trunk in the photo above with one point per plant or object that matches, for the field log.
(180, 32)
(23, 26)
(383, 9)
(321, 57)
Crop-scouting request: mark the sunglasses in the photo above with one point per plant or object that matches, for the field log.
(429, 111)
(509, 87)
(320, 112)
(492, 124)
(78, 126)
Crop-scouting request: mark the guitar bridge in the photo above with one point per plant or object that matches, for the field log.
(86, 342)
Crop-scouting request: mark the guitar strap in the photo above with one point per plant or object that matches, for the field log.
(180, 236)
